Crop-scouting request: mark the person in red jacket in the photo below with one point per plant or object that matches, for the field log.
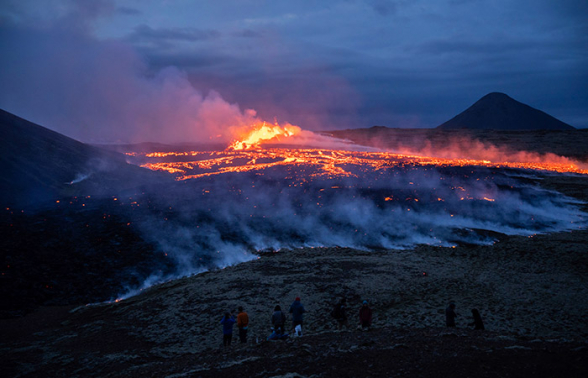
(365, 316)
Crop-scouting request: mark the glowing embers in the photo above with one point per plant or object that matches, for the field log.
(315, 162)
(251, 137)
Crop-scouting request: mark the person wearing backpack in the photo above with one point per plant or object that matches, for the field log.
(278, 320)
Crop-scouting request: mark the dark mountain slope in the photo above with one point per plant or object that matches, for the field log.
(500, 112)
(37, 164)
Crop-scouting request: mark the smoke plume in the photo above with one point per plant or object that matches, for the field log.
(224, 219)
(59, 75)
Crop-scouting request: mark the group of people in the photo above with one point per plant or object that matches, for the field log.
(339, 313)
(278, 321)
(242, 324)
(450, 316)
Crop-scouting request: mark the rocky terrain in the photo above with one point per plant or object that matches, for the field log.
(530, 291)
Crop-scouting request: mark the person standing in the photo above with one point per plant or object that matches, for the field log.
(227, 321)
(340, 315)
(278, 320)
(365, 316)
(297, 309)
(242, 324)
(450, 315)
(477, 323)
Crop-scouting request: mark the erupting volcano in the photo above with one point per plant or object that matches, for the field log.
(198, 161)
(279, 187)
(256, 195)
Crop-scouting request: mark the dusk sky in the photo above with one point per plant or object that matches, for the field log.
(180, 70)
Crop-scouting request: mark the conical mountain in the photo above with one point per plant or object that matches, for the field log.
(498, 111)
(37, 165)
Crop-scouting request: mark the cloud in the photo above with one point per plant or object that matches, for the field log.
(128, 11)
(384, 7)
(146, 33)
(394, 63)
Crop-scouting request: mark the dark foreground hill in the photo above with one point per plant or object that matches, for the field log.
(38, 165)
(67, 220)
(498, 111)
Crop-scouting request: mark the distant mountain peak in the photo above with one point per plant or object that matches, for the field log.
(499, 111)
(497, 95)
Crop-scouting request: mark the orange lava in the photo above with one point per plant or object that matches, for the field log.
(253, 136)
(331, 163)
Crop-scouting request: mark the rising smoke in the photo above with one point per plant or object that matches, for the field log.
(222, 220)
(59, 74)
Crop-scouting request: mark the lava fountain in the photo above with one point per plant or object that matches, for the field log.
(255, 135)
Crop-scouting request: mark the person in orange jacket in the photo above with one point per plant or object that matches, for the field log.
(242, 324)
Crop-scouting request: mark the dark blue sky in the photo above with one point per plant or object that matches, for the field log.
(180, 70)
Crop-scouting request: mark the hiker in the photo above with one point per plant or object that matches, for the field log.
(242, 324)
(227, 321)
(278, 320)
(365, 316)
(477, 320)
(450, 315)
(339, 314)
(297, 309)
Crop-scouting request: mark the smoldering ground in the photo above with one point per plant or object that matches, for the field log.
(225, 219)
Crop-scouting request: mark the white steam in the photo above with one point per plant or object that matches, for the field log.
(204, 223)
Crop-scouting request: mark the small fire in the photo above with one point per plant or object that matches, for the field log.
(262, 132)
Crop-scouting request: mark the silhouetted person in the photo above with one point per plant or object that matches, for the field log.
(365, 316)
(340, 315)
(477, 320)
(278, 320)
(450, 315)
(227, 321)
(297, 309)
(242, 324)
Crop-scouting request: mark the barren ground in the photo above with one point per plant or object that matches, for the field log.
(531, 292)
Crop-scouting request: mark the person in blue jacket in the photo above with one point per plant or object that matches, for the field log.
(297, 309)
(227, 321)
(278, 320)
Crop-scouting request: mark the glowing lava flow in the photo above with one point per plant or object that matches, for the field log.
(263, 133)
(327, 163)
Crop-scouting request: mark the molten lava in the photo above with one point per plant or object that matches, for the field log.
(252, 137)
(329, 163)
